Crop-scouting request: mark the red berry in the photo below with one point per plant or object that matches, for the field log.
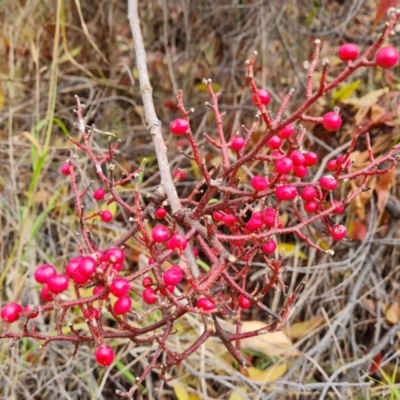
(300, 171)
(254, 223)
(244, 302)
(332, 121)
(286, 192)
(309, 193)
(311, 206)
(268, 216)
(92, 312)
(177, 242)
(298, 158)
(160, 233)
(65, 169)
(218, 216)
(31, 312)
(122, 305)
(283, 165)
(149, 296)
(87, 266)
(173, 276)
(106, 216)
(310, 158)
(11, 312)
(195, 252)
(205, 303)
(229, 220)
(259, 183)
(179, 126)
(332, 165)
(338, 232)
(274, 142)
(328, 182)
(339, 207)
(387, 57)
(104, 355)
(45, 293)
(115, 255)
(58, 283)
(180, 174)
(100, 289)
(286, 132)
(269, 247)
(72, 266)
(44, 273)
(348, 52)
(160, 213)
(264, 96)
(99, 194)
(80, 278)
(147, 281)
(237, 143)
(119, 287)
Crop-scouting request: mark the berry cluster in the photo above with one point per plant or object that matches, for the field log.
(201, 247)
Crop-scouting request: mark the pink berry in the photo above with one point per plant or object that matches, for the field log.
(173, 276)
(338, 232)
(58, 283)
(339, 207)
(310, 158)
(87, 266)
(119, 287)
(259, 183)
(243, 302)
(147, 281)
(283, 165)
(149, 296)
(179, 126)
(104, 355)
(217, 216)
(99, 194)
(264, 96)
(122, 305)
(45, 293)
(297, 157)
(179, 174)
(328, 182)
(11, 312)
(237, 143)
(44, 273)
(80, 278)
(72, 266)
(309, 193)
(311, 206)
(177, 242)
(332, 165)
(115, 255)
(332, 121)
(269, 247)
(286, 192)
(65, 169)
(205, 303)
(286, 132)
(195, 252)
(255, 223)
(93, 312)
(387, 57)
(300, 171)
(106, 216)
(160, 233)
(229, 220)
(160, 213)
(274, 142)
(31, 312)
(100, 289)
(348, 52)
(268, 216)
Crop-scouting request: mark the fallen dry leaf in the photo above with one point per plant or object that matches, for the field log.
(300, 329)
(270, 374)
(392, 312)
(383, 186)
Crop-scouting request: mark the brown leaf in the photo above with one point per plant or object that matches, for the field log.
(382, 9)
(383, 186)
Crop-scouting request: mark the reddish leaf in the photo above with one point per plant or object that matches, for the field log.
(383, 6)
(376, 362)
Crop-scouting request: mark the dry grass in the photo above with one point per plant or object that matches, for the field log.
(53, 50)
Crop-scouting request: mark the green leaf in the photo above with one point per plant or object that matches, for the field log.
(289, 249)
(344, 92)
